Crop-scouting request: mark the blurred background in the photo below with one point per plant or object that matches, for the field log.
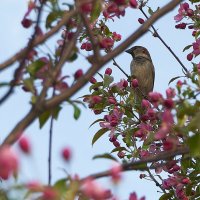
(77, 134)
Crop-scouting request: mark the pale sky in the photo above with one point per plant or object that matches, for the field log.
(77, 134)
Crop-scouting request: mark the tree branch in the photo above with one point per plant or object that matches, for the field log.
(139, 165)
(97, 66)
(18, 71)
(39, 40)
(53, 102)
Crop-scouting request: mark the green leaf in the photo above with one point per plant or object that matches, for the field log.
(3, 195)
(73, 57)
(165, 196)
(98, 134)
(60, 185)
(194, 145)
(52, 17)
(96, 85)
(29, 84)
(150, 11)
(106, 155)
(197, 35)
(43, 118)
(35, 66)
(107, 80)
(96, 10)
(98, 120)
(187, 47)
(77, 111)
(119, 149)
(173, 79)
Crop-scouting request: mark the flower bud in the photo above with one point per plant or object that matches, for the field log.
(189, 56)
(141, 21)
(78, 74)
(133, 3)
(24, 145)
(66, 153)
(134, 83)
(108, 71)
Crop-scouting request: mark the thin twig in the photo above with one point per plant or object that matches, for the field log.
(155, 181)
(39, 40)
(19, 70)
(50, 146)
(91, 36)
(156, 34)
(115, 63)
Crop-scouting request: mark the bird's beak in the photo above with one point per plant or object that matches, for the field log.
(129, 51)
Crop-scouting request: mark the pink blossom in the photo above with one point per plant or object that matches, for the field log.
(162, 132)
(24, 145)
(106, 43)
(196, 47)
(170, 92)
(145, 103)
(133, 196)
(121, 85)
(182, 11)
(93, 190)
(108, 71)
(133, 3)
(78, 74)
(49, 193)
(66, 153)
(155, 97)
(116, 37)
(112, 120)
(8, 162)
(134, 83)
(167, 117)
(115, 173)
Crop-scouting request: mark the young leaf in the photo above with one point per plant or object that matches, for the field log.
(96, 10)
(52, 17)
(107, 80)
(194, 145)
(187, 47)
(77, 111)
(98, 134)
(173, 79)
(98, 120)
(43, 118)
(106, 155)
(119, 149)
(166, 196)
(35, 66)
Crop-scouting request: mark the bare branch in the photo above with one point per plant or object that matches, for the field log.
(156, 34)
(138, 165)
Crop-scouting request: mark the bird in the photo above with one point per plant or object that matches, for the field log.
(142, 69)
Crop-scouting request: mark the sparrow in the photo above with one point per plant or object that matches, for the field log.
(142, 69)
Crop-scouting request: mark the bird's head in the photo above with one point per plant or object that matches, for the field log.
(137, 51)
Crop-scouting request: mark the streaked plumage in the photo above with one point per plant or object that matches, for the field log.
(142, 69)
